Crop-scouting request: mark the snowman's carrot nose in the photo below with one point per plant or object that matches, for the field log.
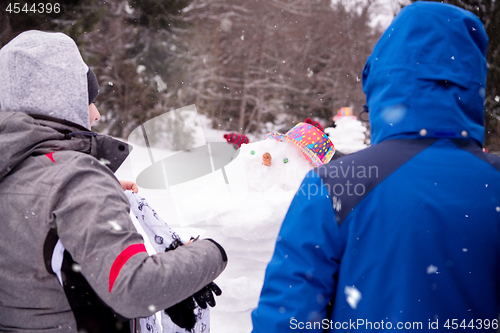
(266, 159)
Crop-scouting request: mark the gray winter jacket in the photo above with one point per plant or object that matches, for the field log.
(52, 181)
(56, 178)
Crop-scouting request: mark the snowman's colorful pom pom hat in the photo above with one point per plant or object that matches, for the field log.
(314, 143)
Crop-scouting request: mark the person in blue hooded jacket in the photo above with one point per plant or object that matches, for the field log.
(404, 234)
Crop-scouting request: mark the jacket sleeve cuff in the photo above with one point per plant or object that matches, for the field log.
(221, 249)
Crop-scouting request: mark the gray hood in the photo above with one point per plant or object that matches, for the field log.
(22, 136)
(43, 73)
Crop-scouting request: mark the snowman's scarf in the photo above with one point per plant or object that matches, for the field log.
(157, 237)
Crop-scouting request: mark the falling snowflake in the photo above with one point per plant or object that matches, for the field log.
(353, 296)
(432, 269)
(76, 268)
(104, 161)
(115, 226)
(140, 69)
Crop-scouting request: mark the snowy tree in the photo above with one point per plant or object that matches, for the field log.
(254, 61)
(131, 47)
(242, 62)
(132, 50)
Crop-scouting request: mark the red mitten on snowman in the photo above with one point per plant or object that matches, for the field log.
(236, 139)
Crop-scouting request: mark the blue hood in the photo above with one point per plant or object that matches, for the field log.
(426, 76)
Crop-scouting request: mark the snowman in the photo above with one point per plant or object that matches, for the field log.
(349, 133)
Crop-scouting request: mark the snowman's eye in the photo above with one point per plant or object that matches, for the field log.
(285, 160)
(252, 152)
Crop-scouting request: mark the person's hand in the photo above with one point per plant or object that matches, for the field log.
(192, 240)
(182, 314)
(129, 185)
(205, 296)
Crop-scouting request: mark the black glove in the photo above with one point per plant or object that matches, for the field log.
(182, 314)
(175, 244)
(205, 296)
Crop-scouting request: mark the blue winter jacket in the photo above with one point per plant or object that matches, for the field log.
(404, 235)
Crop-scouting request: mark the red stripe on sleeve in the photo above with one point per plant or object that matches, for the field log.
(122, 258)
(51, 157)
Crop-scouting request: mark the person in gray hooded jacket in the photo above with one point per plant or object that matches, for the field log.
(57, 186)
